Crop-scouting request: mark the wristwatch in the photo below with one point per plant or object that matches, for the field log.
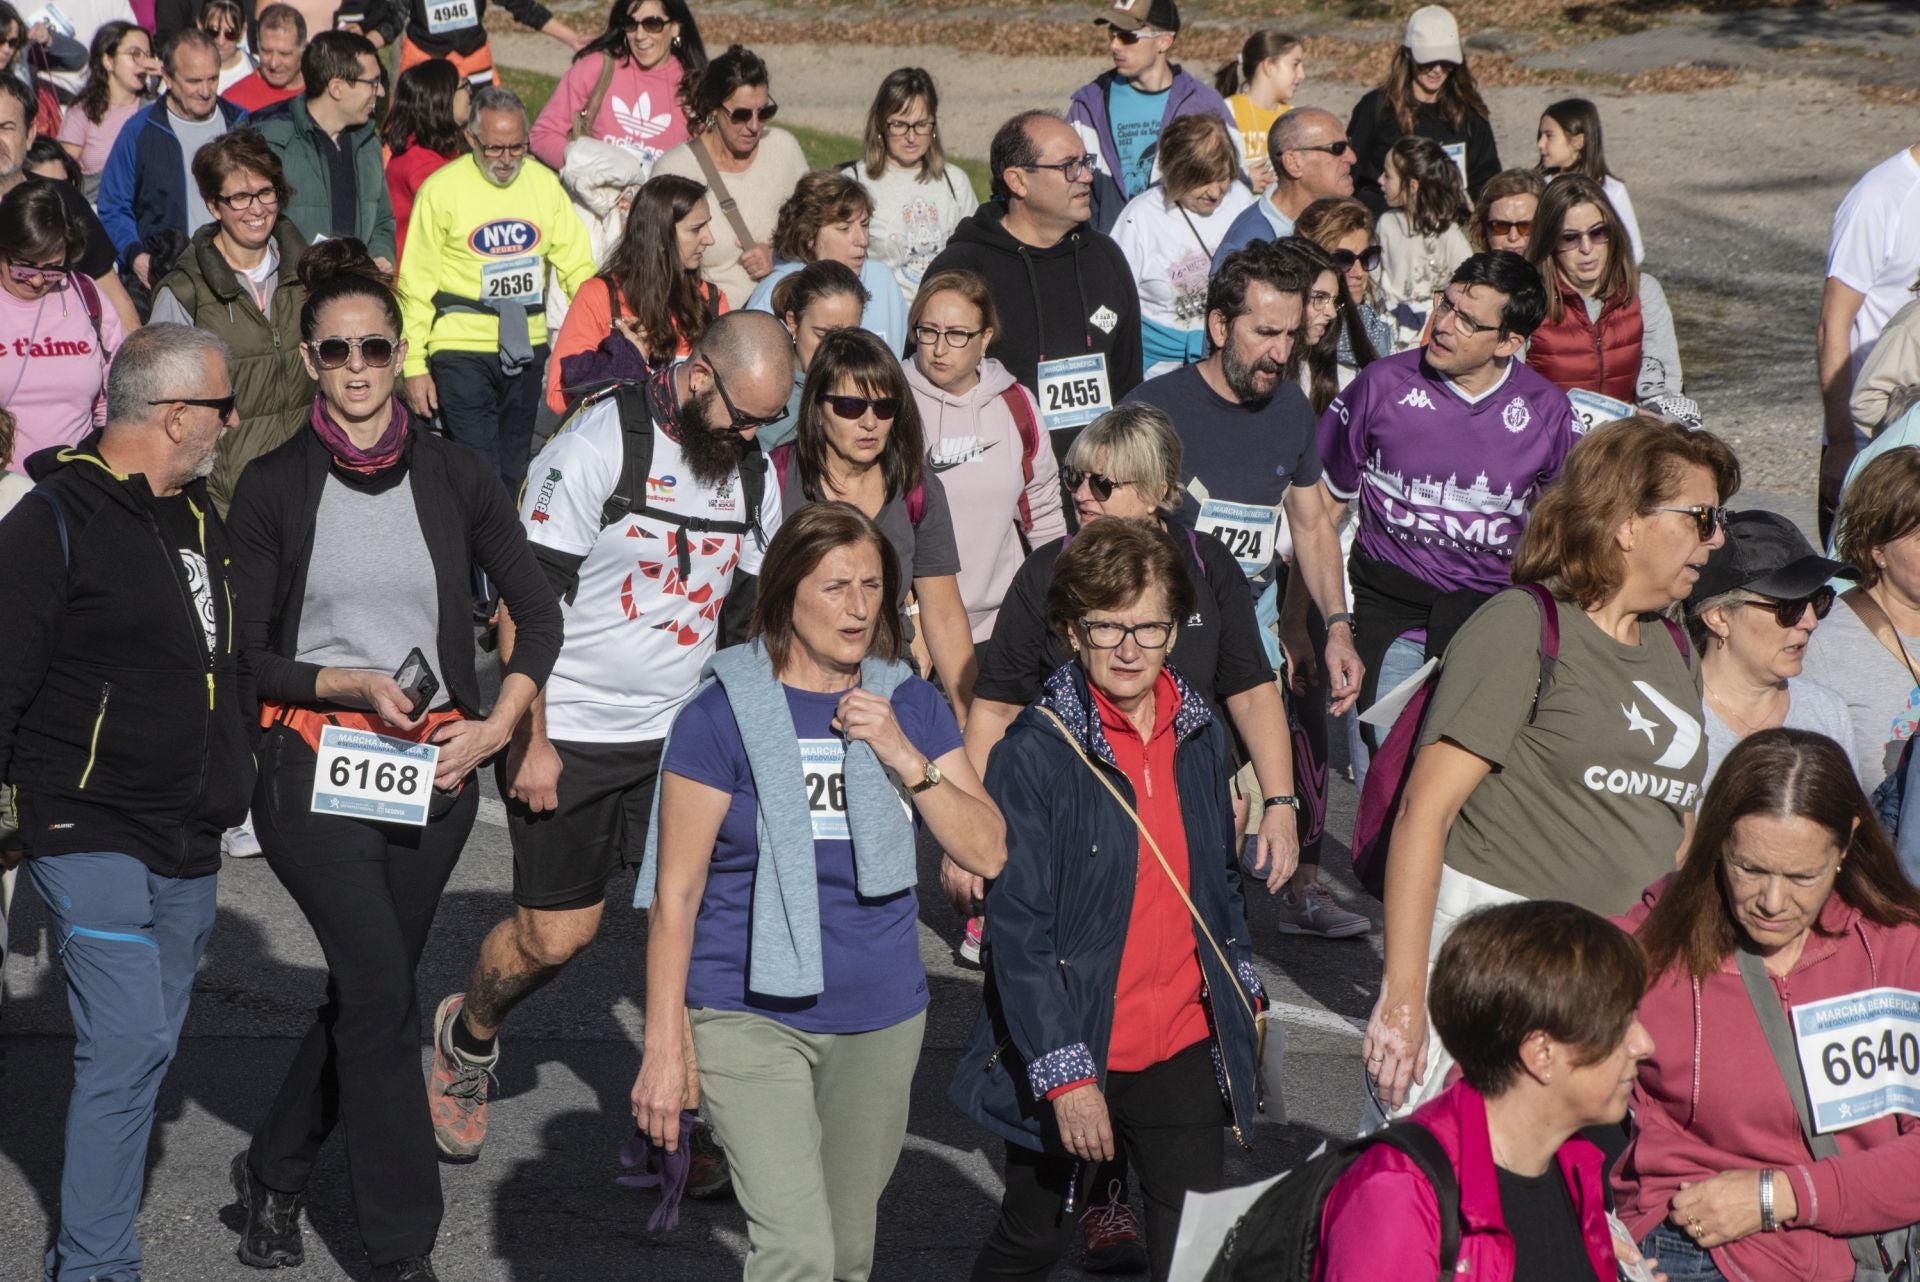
(928, 778)
(1344, 616)
(1287, 800)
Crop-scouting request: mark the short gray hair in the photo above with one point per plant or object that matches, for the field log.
(1135, 443)
(496, 98)
(159, 363)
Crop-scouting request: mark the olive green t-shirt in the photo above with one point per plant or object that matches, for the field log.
(1586, 804)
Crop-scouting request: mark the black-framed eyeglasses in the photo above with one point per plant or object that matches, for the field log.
(1106, 634)
(239, 200)
(852, 407)
(918, 128)
(1337, 148)
(501, 150)
(223, 405)
(1368, 258)
(1467, 324)
(653, 24)
(1073, 168)
(1102, 486)
(376, 350)
(1706, 518)
(737, 421)
(741, 115)
(1789, 613)
(931, 335)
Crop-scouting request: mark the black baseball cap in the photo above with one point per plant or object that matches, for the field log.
(1765, 554)
(1131, 15)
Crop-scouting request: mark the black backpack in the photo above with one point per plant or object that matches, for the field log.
(1278, 1239)
(636, 432)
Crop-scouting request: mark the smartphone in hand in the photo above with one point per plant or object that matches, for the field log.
(417, 682)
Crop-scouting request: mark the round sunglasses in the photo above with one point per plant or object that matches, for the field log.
(1368, 258)
(1102, 486)
(332, 353)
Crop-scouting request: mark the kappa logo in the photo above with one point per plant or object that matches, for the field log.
(1418, 398)
(1516, 416)
(1106, 318)
(504, 238)
(542, 499)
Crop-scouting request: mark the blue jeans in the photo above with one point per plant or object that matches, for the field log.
(1402, 659)
(1679, 1256)
(129, 942)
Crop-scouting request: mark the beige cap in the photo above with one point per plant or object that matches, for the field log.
(1433, 35)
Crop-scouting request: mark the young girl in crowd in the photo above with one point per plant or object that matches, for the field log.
(118, 66)
(431, 105)
(917, 199)
(1259, 86)
(223, 20)
(1570, 143)
(1422, 234)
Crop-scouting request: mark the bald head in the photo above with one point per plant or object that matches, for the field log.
(753, 354)
(1304, 170)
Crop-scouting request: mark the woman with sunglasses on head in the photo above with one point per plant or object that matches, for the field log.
(60, 333)
(859, 440)
(1170, 232)
(1608, 327)
(648, 306)
(223, 20)
(1343, 227)
(625, 87)
(239, 277)
(740, 156)
(355, 545)
(1752, 616)
(829, 217)
(426, 127)
(918, 199)
(1503, 216)
(119, 64)
(1574, 780)
(1430, 92)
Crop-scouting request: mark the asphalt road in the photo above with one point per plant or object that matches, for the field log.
(541, 1203)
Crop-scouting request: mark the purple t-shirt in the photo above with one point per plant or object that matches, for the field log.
(1445, 484)
(869, 948)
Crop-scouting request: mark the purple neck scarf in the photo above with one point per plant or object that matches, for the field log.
(384, 452)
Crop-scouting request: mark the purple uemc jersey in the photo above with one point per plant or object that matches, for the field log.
(1444, 484)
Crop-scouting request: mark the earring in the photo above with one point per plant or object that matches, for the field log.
(676, 42)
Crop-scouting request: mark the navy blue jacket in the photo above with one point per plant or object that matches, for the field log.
(1060, 909)
(143, 188)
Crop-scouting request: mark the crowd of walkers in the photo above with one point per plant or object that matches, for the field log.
(819, 520)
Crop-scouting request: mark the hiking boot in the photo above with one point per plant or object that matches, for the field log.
(709, 1178)
(415, 1268)
(271, 1237)
(1313, 912)
(968, 954)
(238, 842)
(457, 1091)
(1111, 1236)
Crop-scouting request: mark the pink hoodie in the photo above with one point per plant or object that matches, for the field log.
(1382, 1219)
(975, 446)
(1711, 1100)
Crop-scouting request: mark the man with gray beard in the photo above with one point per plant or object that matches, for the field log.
(123, 730)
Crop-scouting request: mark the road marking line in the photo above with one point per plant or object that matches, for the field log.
(493, 813)
(1316, 1017)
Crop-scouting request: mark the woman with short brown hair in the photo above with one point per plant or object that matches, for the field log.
(1570, 780)
(827, 219)
(1503, 216)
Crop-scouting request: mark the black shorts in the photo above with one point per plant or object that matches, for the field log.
(563, 858)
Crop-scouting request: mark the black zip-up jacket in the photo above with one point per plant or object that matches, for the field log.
(1074, 298)
(465, 518)
(119, 729)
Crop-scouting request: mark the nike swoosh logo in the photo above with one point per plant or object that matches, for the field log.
(940, 464)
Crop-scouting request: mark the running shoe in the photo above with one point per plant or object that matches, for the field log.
(271, 1237)
(709, 1177)
(457, 1089)
(1111, 1235)
(238, 842)
(1315, 913)
(968, 953)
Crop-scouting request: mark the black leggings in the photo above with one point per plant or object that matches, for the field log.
(370, 892)
(1170, 1123)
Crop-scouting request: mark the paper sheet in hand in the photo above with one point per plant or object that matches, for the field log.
(1205, 1221)
(1386, 709)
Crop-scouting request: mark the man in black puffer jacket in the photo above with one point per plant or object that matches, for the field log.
(124, 731)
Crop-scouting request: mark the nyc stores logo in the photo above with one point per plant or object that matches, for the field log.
(504, 238)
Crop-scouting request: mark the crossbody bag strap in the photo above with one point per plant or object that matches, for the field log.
(1773, 1023)
(711, 172)
(1154, 846)
(1874, 616)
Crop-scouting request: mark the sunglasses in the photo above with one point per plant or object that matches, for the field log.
(1594, 235)
(28, 274)
(735, 419)
(1789, 613)
(653, 24)
(741, 115)
(223, 405)
(1339, 148)
(1102, 486)
(1135, 37)
(883, 407)
(1368, 258)
(375, 349)
(1706, 519)
(1522, 228)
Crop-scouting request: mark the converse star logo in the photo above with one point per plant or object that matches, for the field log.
(1105, 318)
(1418, 398)
(1516, 416)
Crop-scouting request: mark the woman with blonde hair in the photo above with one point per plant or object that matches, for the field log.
(918, 199)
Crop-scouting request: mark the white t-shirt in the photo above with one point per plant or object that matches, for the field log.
(1875, 247)
(637, 633)
(1171, 252)
(912, 220)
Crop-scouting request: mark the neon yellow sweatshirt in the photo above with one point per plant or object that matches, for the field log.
(477, 241)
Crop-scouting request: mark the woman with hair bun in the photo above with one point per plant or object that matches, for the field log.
(388, 657)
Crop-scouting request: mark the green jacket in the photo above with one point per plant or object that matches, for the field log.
(275, 393)
(290, 131)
